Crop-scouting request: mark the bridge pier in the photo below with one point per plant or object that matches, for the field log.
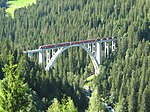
(106, 50)
(41, 57)
(113, 45)
(53, 52)
(99, 52)
(94, 49)
(90, 47)
(29, 55)
(47, 57)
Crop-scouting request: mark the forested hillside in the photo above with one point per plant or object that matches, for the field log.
(123, 82)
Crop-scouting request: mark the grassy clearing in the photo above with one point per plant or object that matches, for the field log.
(15, 4)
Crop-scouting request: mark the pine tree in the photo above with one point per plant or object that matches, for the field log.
(55, 107)
(14, 90)
(66, 105)
(145, 104)
(95, 103)
(133, 100)
(122, 106)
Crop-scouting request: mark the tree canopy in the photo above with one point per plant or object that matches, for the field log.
(123, 82)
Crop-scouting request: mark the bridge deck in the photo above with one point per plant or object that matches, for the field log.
(54, 46)
(77, 42)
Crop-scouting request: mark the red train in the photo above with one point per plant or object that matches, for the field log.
(73, 43)
(65, 44)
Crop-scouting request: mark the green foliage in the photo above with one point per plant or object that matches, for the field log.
(96, 103)
(14, 90)
(122, 106)
(66, 105)
(145, 102)
(55, 107)
(123, 78)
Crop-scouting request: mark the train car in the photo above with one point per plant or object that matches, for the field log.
(87, 41)
(46, 46)
(59, 45)
(67, 43)
(40, 47)
(103, 39)
(109, 38)
(62, 44)
(73, 43)
(99, 39)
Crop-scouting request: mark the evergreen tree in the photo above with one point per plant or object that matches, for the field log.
(55, 21)
(122, 106)
(145, 104)
(95, 103)
(14, 96)
(55, 107)
(66, 105)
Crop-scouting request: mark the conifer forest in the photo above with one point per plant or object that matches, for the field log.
(123, 84)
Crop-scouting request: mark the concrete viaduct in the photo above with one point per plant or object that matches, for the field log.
(93, 47)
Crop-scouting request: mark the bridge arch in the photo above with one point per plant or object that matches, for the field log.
(62, 49)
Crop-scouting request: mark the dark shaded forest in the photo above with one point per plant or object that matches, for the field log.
(123, 82)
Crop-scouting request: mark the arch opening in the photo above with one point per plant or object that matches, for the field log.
(61, 50)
